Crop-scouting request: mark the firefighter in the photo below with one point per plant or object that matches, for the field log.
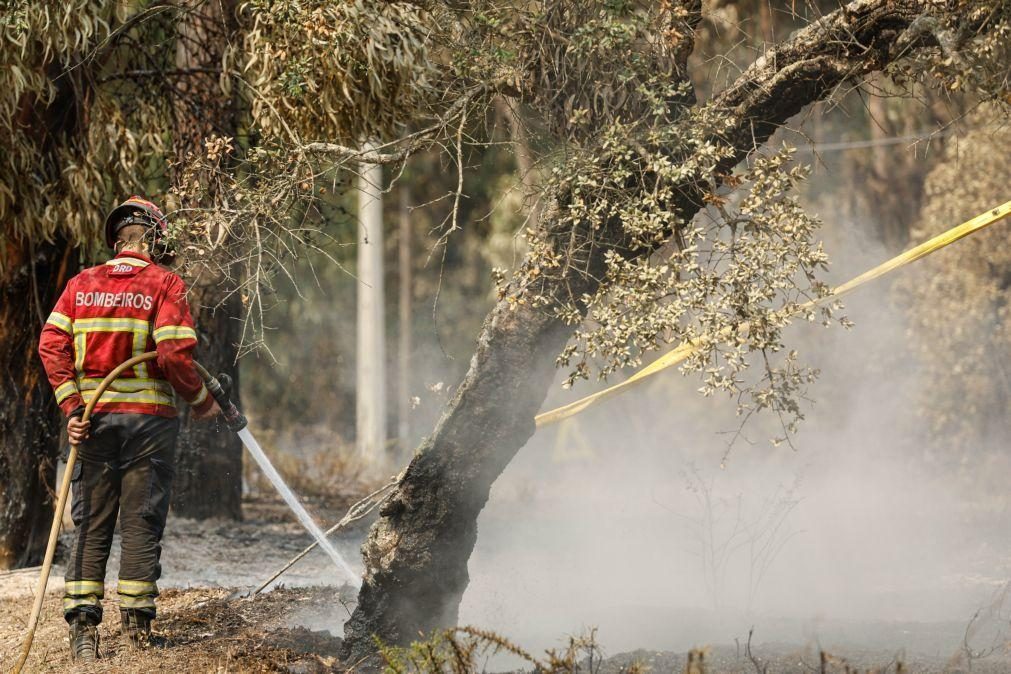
(105, 315)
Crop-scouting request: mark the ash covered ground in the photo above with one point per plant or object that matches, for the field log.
(208, 626)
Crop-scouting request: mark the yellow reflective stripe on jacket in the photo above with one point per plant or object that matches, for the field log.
(127, 385)
(139, 347)
(62, 322)
(80, 348)
(201, 397)
(73, 588)
(140, 398)
(111, 325)
(127, 260)
(174, 332)
(137, 588)
(65, 390)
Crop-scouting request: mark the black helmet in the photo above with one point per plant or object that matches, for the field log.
(135, 211)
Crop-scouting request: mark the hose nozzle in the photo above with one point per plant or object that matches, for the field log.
(219, 387)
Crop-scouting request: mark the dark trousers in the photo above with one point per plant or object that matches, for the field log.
(124, 469)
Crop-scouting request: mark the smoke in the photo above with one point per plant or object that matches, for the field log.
(628, 518)
(623, 518)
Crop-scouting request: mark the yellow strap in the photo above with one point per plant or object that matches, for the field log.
(150, 397)
(70, 603)
(127, 385)
(126, 601)
(111, 325)
(200, 398)
(685, 349)
(137, 588)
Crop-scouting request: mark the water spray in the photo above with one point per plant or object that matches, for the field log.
(237, 423)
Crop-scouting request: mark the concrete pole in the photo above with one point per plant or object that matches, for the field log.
(404, 341)
(371, 351)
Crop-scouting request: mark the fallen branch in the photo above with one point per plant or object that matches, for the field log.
(354, 513)
(24, 570)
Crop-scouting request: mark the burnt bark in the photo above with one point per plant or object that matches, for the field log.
(209, 460)
(32, 274)
(208, 479)
(416, 554)
(29, 418)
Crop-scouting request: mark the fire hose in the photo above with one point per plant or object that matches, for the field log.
(234, 419)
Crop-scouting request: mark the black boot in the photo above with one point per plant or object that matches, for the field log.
(136, 628)
(83, 639)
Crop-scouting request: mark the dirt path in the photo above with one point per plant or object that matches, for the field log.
(217, 553)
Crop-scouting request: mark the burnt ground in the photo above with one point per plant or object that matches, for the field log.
(777, 658)
(207, 625)
(203, 630)
(217, 630)
(206, 622)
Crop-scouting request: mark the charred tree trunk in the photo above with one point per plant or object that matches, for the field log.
(32, 274)
(416, 554)
(209, 462)
(29, 418)
(208, 479)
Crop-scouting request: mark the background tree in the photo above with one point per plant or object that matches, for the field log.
(53, 176)
(960, 321)
(88, 98)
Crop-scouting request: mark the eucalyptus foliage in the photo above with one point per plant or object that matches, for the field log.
(600, 89)
(57, 181)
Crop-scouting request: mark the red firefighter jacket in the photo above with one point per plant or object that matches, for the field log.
(109, 313)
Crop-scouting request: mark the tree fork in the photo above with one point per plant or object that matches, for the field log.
(416, 554)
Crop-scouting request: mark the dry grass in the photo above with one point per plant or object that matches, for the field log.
(463, 650)
(204, 630)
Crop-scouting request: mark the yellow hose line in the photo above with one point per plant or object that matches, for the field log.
(685, 349)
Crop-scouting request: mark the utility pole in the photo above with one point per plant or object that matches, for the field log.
(404, 338)
(370, 429)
